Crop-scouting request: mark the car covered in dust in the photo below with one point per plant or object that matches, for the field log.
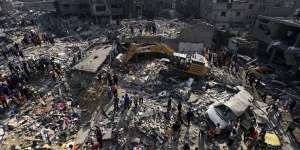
(223, 112)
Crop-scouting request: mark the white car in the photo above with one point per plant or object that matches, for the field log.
(222, 113)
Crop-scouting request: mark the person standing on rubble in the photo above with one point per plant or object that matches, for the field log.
(126, 101)
(189, 116)
(109, 93)
(131, 30)
(53, 75)
(116, 79)
(11, 67)
(251, 137)
(136, 102)
(39, 40)
(169, 106)
(141, 100)
(99, 77)
(272, 109)
(99, 137)
(114, 90)
(109, 80)
(25, 68)
(116, 104)
(179, 107)
(251, 80)
(154, 29)
(141, 29)
(3, 101)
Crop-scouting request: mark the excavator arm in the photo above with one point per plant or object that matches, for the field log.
(135, 49)
(192, 67)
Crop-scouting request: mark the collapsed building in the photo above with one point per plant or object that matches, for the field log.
(279, 38)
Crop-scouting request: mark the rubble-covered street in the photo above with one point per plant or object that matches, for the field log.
(123, 75)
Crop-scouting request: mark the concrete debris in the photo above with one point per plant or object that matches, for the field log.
(67, 82)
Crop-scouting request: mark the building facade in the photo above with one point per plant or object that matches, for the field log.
(225, 13)
(235, 13)
(74, 7)
(113, 8)
(90, 7)
(39, 5)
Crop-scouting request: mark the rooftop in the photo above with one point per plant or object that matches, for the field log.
(93, 62)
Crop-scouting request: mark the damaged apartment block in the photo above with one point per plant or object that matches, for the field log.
(101, 10)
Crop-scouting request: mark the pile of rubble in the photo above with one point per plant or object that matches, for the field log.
(48, 120)
(148, 122)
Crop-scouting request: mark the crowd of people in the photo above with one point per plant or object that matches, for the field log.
(14, 85)
(37, 39)
(30, 38)
(150, 28)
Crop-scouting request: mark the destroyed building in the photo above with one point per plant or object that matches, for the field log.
(239, 13)
(243, 46)
(277, 8)
(279, 38)
(228, 13)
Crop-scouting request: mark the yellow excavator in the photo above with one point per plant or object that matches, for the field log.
(195, 65)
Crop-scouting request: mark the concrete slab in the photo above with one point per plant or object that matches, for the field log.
(93, 62)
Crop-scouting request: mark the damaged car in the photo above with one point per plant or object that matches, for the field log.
(223, 112)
